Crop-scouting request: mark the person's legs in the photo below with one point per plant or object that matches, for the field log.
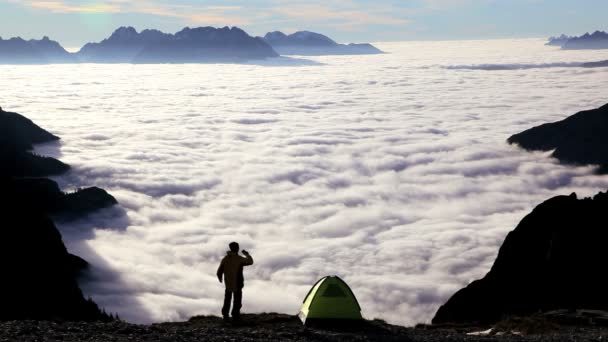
(238, 302)
(227, 300)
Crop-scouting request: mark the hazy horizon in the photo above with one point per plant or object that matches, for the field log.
(74, 23)
(74, 49)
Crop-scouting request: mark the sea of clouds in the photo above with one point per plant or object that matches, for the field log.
(391, 171)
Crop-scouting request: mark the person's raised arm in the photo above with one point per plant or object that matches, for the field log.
(220, 271)
(248, 258)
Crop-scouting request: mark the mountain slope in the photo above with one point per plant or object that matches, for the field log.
(579, 139)
(19, 51)
(39, 276)
(554, 259)
(307, 43)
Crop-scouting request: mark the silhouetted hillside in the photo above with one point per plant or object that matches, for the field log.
(554, 259)
(17, 137)
(307, 43)
(38, 274)
(580, 139)
(21, 132)
(44, 194)
(203, 44)
(19, 51)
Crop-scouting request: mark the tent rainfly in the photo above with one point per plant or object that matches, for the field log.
(330, 300)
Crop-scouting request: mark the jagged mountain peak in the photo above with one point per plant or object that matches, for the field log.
(275, 35)
(124, 33)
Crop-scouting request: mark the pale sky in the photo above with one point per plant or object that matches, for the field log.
(74, 23)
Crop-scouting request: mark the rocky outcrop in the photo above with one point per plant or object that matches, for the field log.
(190, 45)
(17, 137)
(307, 43)
(554, 259)
(20, 51)
(260, 327)
(45, 195)
(279, 327)
(20, 132)
(39, 276)
(580, 139)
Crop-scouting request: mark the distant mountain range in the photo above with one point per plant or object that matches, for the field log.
(201, 44)
(558, 41)
(596, 40)
(20, 51)
(307, 43)
(190, 45)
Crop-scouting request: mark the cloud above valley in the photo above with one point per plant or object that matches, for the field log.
(390, 171)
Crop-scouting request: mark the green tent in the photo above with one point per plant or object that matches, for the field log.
(330, 300)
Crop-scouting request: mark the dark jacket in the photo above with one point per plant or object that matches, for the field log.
(231, 269)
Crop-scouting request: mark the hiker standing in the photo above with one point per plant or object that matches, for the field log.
(231, 270)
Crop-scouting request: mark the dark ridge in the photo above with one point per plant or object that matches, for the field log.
(85, 201)
(190, 45)
(21, 132)
(17, 137)
(596, 40)
(554, 259)
(580, 139)
(39, 276)
(300, 38)
(45, 195)
(558, 41)
(308, 43)
(126, 45)
(20, 51)
(26, 164)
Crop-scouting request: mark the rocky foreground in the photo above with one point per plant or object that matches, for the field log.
(278, 327)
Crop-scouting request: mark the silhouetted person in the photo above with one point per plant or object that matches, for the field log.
(231, 269)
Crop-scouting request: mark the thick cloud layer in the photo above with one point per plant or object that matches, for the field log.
(390, 171)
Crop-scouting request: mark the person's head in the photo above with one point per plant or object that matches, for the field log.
(234, 247)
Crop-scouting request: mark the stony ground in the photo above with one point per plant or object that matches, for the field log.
(275, 327)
